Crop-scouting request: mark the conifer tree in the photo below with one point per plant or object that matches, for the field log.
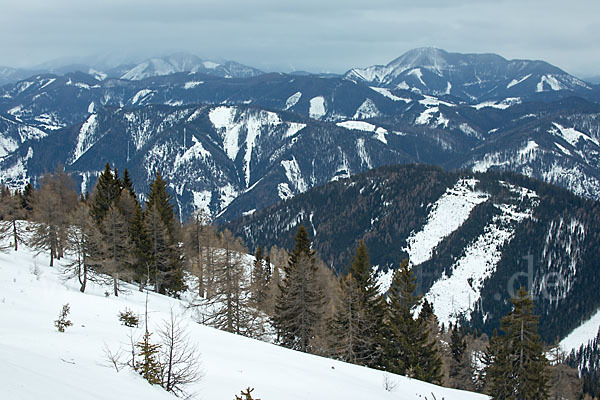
(517, 367)
(127, 184)
(143, 266)
(149, 366)
(106, 192)
(360, 312)
(196, 236)
(229, 299)
(261, 273)
(300, 304)
(406, 345)
(162, 228)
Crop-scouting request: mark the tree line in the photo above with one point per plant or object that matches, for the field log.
(291, 298)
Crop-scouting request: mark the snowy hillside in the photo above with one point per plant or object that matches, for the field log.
(39, 362)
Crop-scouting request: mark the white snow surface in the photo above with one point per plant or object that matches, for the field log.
(317, 107)
(571, 135)
(456, 295)
(230, 124)
(39, 362)
(581, 335)
(515, 82)
(192, 84)
(551, 81)
(140, 95)
(367, 110)
(292, 100)
(386, 92)
(447, 214)
(85, 138)
(380, 133)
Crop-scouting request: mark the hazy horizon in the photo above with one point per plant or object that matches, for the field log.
(331, 36)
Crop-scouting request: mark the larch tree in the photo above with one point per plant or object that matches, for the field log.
(300, 304)
(83, 237)
(51, 205)
(195, 236)
(117, 259)
(12, 211)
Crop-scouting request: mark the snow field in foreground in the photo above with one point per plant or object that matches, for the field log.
(39, 362)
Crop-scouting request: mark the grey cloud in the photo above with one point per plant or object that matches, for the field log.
(332, 35)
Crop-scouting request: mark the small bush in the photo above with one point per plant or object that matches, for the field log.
(62, 322)
(128, 318)
(247, 395)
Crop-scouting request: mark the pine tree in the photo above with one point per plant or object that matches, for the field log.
(360, 312)
(517, 367)
(300, 304)
(406, 345)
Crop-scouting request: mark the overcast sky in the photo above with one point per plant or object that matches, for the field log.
(314, 35)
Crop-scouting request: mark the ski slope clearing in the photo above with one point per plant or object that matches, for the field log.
(39, 362)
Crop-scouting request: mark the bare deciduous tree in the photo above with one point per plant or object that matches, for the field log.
(179, 358)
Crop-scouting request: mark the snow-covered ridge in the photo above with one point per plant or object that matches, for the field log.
(447, 214)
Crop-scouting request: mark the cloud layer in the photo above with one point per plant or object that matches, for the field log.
(330, 35)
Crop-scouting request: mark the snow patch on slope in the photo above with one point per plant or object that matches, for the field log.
(294, 174)
(571, 135)
(317, 107)
(367, 110)
(447, 214)
(292, 100)
(386, 92)
(581, 335)
(456, 295)
(86, 138)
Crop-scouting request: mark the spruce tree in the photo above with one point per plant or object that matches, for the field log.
(299, 306)
(406, 345)
(162, 229)
(106, 192)
(143, 266)
(359, 315)
(517, 367)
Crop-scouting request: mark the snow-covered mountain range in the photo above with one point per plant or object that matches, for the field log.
(255, 139)
(472, 77)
